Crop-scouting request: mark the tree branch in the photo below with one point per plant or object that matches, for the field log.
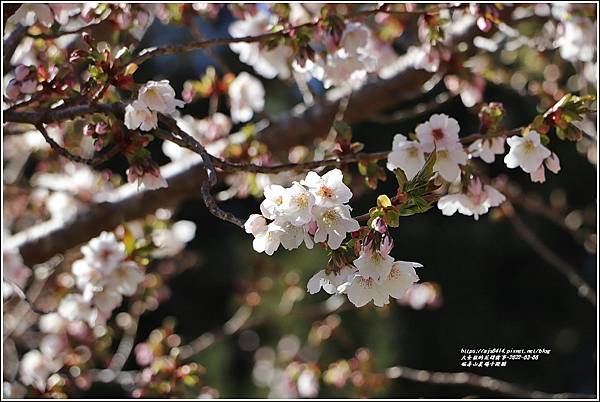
(474, 380)
(566, 269)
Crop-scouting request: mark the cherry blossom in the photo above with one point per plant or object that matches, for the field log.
(247, 96)
(374, 264)
(552, 163)
(475, 202)
(28, 14)
(35, 368)
(104, 252)
(448, 161)
(159, 96)
(363, 289)
(329, 189)
(269, 239)
(487, 148)
(297, 204)
(526, 152)
(333, 223)
(269, 63)
(440, 132)
(329, 282)
(272, 206)
(293, 236)
(406, 155)
(137, 115)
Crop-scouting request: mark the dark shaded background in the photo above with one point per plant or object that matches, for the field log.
(496, 290)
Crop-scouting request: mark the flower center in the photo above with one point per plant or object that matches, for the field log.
(278, 200)
(438, 134)
(330, 216)
(413, 152)
(301, 201)
(529, 147)
(442, 154)
(326, 192)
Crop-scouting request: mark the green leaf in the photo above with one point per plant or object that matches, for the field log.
(401, 178)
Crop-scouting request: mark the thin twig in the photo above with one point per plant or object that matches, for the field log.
(474, 380)
(566, 269)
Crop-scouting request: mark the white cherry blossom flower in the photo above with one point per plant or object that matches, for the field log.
(35, 368)
(526, 152)
(447, 163)
(268, 240)
(126, 278)
(28, 14)
(293, 236)
(73, 307)
(487, 148)
(52, 323)
(577, 39)
(137, 115)
(440, 132)
(406, 155)
(552, 163)
(255, 224)
(362, 290)
(272, 205)
(373, 264)
(62, 11)
(477, 201)
(159, 96)
(297, 204)
(329, 282)
(247, 96)
(269, 63)
(329, 189)
(104, 252)
(333, 223)
(152, 180)
(106, 299)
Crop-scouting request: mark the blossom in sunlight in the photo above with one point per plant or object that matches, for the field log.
(552, 163)
(440, 132)
(104, 252)
(333, 223)
(268, 62)
(35, 368)
(297, 204)
(475, 202)
(363, 289)
(29, 14)
(526, 152)
(272, 205)
(137, 115)
(293, 236)
(247, 96)
(406, 155)
(487, 148)
(448, 161)
(268, 239)
(159, 96)
(374, 264)
(329, 189)
(329, 282)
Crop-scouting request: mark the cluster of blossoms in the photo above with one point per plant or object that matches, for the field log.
(343, 58)
(25, 82)
(104, 275)
(373, 276)
(439, 135)
(312, 210)
(153, 97)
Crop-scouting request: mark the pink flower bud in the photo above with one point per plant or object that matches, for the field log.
(29, 86)
(12, 90)
(312, 228)
(21, 72)
(539, 175)
(101, 128)
(386, 246)
(379, 225)
(552, 163)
